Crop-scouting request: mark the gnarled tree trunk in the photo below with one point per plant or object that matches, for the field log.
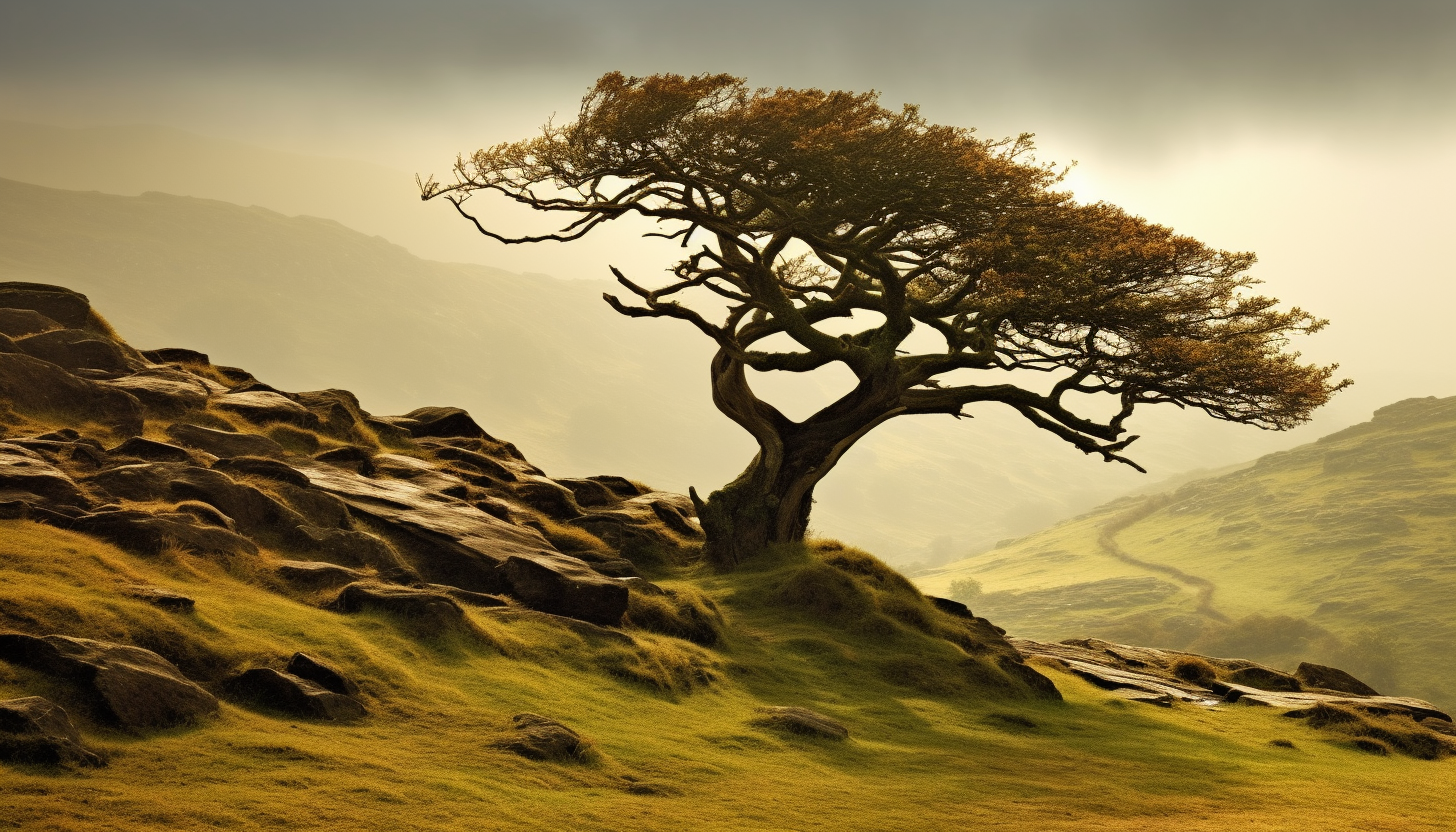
(770, 501)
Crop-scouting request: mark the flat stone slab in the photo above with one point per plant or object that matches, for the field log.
(801, 721)
(1114, 679)
(1245, 695)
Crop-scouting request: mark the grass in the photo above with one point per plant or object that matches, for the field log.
(1338, 552)
(668, 721)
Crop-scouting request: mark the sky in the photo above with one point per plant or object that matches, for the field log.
(1321, 135)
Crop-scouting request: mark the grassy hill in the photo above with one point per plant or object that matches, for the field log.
(1342, 550)
(927, 751)
(310, 303)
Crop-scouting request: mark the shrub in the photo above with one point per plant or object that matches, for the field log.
(680, 613)
(965, 590)
(1195, 670)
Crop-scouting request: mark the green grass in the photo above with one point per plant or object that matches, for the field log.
(1340, 552)
(670, 750)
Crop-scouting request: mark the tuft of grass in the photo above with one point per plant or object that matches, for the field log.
(1194, 669)
(683, 612)
(1377, 733)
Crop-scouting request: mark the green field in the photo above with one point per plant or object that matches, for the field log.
(1342, 552)
(936, 742)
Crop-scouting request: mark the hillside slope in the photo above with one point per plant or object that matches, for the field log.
(228, 605)
(1342, 550)
(309, 303)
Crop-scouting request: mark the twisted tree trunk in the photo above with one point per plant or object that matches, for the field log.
(770, 501)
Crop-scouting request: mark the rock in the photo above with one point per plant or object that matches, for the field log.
(36, 730)
(149, 534)
(1264, 678)
(1417, 709)
(138, 447)
(256, 513)
(1162, 700)
(260, 466)
(548, 497)
(1331, 678)
(75, 349)
(160, 597)
(949, 607)
(590, 493)
(176, 355)
(224, 443)
(432, 609)
(538, 738)
(18, 323)
(34, 386)
(476, 462)
(134, 688)
(23, 470)
(1114, 679)
(616, 568)
(319, 508)
(207, 514)
(314, 575)
(293, 695)
(801, 721)
(164, 391)
(444, 421)
(359, 549)
(355, 459)
(656, 517)
(338, 412)
(65, 307)
(1040, 686)
(307, 667)
(624, 488)
(461, 545)
(262, 407)
(566, 586)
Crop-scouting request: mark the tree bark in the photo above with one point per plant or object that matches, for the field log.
(770, 501)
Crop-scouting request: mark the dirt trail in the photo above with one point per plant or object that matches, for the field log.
(1107, 539)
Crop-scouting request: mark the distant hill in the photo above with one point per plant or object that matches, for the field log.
(1341, 550)
(308, 303)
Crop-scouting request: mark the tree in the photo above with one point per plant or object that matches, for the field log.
(804, 209)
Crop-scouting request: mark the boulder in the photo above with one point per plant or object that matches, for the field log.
(801, 721)
(307, 667)
(473, 462)
(65, 307)
(260, 466)
(138, 531)
(624, 488)
(320, 508)
(224, 443)
(254, 512)
(949, 607)
(1331, 678)
(548, 497)
(263, 407)
(433, 610)
(1264, 678)
(161, 597)
(314, 575)
(138, 447)
(338, 412)
(36, 730)
(207, 514)
(590, 493)
(566, 586)
(293, 694)
(18, 323)
(33, 386)
(444, 421)
(23, 470)
(539, 738)
(176, 355)
(164, 391)
(359, 549)
(75, 349)
(356, 459)
(132, 687)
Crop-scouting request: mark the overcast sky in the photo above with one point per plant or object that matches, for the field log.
(1321, 135)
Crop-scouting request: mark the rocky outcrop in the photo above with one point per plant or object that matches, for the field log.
(430, 609)
(36, 730)
(247, 467)
(320, 673)
(1331, 678)
(801, 721)
(1122, 667)
(293, 694)
(133, 688)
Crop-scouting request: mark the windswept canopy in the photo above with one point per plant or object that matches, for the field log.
(801, 208)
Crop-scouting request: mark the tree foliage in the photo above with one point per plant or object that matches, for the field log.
(845, 226)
